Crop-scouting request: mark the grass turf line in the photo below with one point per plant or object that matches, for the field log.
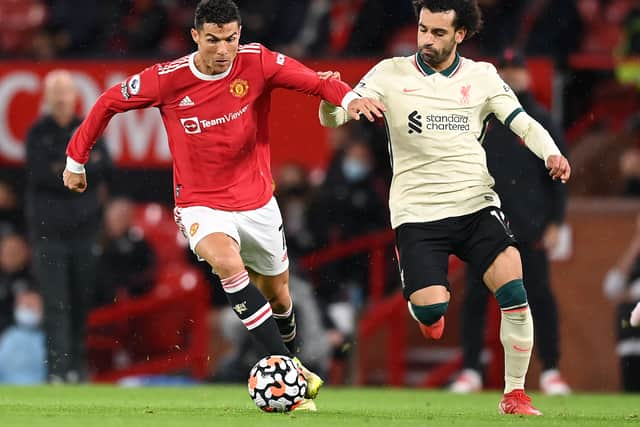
(105, 406)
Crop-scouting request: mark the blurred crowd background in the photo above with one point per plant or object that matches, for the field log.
(141, 263)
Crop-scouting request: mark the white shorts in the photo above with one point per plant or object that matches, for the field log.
(259, 233)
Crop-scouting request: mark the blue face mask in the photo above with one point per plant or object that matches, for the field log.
(354, 170)
(26, 317)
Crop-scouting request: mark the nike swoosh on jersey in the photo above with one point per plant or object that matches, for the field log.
(405, 90)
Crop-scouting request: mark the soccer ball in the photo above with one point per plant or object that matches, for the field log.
(276, 384)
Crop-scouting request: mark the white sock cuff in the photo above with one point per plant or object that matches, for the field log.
(235, 283)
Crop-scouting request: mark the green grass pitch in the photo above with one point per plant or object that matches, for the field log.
(105, 406)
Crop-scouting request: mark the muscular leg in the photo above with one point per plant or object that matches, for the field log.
(504, 279)
(223, 254)
(276, 291)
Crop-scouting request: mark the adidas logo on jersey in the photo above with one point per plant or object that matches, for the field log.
(186, 102)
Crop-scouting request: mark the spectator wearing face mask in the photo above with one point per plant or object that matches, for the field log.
(346, 206)
(22, 349)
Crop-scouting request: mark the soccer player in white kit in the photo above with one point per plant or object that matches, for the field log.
(441, 199)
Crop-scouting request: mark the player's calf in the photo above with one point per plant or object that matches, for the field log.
(516, 333)
(254, 311)
(287, 326)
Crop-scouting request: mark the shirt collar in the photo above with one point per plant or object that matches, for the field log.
(447, 72)
(203, 76)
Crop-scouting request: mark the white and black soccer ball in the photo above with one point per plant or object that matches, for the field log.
(276, 384)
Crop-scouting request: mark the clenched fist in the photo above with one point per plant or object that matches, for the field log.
(74, 181)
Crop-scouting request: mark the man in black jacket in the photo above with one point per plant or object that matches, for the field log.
(535, 206)
(63, 228)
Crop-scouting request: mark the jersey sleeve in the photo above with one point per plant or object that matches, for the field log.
(285, 72)
(504, 104)
(138, 91)
(333, 116)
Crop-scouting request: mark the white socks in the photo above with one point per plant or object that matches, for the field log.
(516, 335)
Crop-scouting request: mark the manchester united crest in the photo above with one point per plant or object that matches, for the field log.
(194, 228)
(239, 88)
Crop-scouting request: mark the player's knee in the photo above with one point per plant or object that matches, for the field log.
(512, 295)
(428, 314)
(225, 265)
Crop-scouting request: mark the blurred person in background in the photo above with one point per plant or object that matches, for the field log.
(11, 213)
(127, 264)
(547, 28)
(629, 162)
(536, 208)
(76, 27)
(441, 197)
(214, 104)
(346, 206)
(20, 19)
(64, 228)
(14, 274)
(627, 67)
(293, 191)
(139, 29)
(22, 349)
(622, 286)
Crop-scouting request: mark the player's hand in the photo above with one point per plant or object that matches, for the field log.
(559, 167)
(74, 181)
(368, 106)
(325, 75)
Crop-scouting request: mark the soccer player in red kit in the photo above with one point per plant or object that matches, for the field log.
(214, 105)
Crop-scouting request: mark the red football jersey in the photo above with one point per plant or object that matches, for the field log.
(217, 125)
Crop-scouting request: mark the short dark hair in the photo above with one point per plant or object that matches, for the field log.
(218, 12)
(468, 14)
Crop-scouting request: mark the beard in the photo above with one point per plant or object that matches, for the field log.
(433, 57)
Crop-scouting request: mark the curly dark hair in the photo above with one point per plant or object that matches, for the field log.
(218, 12)
(468, 14)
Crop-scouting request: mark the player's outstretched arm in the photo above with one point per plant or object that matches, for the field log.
(137, 91)
(333, 116)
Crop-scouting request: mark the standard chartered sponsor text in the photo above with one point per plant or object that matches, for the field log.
(449, 122)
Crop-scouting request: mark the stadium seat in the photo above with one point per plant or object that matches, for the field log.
(164, 331)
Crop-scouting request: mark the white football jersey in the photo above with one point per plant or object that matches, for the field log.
(436, 122)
